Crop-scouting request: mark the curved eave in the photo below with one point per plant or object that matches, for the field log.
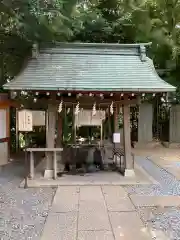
(120, 90)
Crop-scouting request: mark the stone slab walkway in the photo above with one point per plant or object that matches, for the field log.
(94, 213)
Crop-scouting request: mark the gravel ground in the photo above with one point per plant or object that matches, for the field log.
(22, 211)
(166, 219)
(168, 184)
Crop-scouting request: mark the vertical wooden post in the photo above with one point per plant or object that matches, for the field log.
(129, 161)
(74, 127)
(31, 165)
(17, 132)
(59, 131)
(116, 113)
(50, 137)
(101, 141)
(109, 126)
(55, 165)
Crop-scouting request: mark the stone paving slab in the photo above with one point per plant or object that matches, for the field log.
(95, 216)
(61, 226)
(92, 206)
(117, 199)
(91, 200)
(95, 235)
(66, 199)
(61, 234)
(95, 221)
(128, 226)
(116, 191)
(162, 201)
(91, 193)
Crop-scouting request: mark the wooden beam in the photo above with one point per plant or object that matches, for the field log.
(8, 103)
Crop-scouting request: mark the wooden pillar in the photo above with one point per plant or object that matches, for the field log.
(115, 122)
(17, 132)
(116, 113)
(59, 131)
(58, 155)
(109, 126)
(129, 161)
(50, 137)
(4, 129)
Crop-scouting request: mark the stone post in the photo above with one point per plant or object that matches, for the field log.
(174, 124)
(145, 123)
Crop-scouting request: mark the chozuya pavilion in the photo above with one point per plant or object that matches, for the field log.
(93, 80)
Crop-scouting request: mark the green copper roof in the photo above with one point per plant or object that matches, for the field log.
(91, 67)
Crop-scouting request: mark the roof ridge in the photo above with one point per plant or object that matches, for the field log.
(100, 45)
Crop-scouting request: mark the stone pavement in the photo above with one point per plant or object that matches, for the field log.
(97, 213)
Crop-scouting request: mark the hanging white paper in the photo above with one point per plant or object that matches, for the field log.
(25, 121)
(116, 137)
(85, 118)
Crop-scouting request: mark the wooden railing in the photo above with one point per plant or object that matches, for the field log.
(119, 153)
(45, 150)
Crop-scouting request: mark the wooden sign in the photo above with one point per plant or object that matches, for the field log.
(25, 121)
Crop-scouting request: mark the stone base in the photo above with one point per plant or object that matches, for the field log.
(165, 144)
(129, 173)
(152, 144)
(174, 145)
(48, 173)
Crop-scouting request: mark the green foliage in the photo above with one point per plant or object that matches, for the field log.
(122, 21)
(23, 22)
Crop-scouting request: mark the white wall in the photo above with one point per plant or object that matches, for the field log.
(3, 134)
(3, 126)
(3, 153)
